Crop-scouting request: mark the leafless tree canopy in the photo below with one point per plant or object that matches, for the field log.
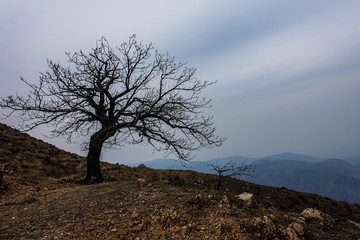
(127, 95)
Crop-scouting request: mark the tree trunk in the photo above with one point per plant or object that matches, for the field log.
(219, 181)
(93, 174)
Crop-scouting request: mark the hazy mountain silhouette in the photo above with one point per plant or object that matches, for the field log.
(293, 156)
(334, 178)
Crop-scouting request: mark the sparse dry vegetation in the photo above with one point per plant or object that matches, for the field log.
(40, 199)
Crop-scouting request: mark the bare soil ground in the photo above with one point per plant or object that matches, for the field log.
(40, 199)
(164, 209)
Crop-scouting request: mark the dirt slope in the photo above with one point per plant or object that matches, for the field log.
(39, 200)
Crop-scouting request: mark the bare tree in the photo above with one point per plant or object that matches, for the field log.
(128, 95)
(233, 169)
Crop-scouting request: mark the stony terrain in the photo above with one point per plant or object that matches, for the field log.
(41, 199)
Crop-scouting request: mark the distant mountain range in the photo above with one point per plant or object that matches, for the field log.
(334, 178)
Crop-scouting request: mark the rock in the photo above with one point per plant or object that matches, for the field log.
(299, 229)
(312, 213)
(200, 228)
(301, 220)
(138, 227)
(134, 215)
(219, 229)
(263, 226)
(294, 231)
(225, 202)
(141, 181)
(290, 234)
(198, 182)
(354, 223)
(248, 199)
(266, 222)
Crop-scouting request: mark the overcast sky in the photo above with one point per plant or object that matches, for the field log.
(288, 71)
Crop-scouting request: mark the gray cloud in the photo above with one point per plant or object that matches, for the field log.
(288, 71)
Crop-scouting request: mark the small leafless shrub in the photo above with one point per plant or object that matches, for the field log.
(234, 170)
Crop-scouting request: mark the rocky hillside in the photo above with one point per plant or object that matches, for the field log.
(35, 158)
(40, 199)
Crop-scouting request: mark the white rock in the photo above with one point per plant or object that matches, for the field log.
(312, 213)
(248, 198)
